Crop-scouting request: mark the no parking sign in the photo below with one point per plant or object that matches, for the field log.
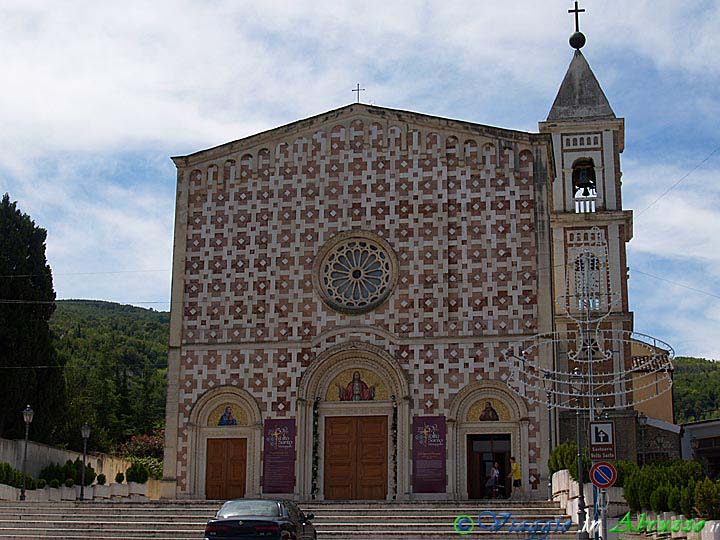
(603, 475)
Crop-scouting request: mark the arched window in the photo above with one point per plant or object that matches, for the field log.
(584, 185)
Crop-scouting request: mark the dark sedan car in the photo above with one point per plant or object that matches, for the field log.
(260, 518)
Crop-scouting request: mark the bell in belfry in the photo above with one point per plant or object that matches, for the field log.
(583, 178)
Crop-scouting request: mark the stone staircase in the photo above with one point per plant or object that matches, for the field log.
(185, 520)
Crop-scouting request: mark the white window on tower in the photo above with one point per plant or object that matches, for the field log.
(587, 282)
(584, 185)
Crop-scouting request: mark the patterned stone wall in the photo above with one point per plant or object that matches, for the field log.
(459, 210)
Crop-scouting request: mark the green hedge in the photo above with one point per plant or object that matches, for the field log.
(12, 477)
(564, 456)
(71, 469)
(677, 486)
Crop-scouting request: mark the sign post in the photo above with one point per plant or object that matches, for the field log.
(603, 475)
(602, 440)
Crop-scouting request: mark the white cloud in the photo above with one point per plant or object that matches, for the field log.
(87, 83)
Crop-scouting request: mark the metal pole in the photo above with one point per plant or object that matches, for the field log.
(603, 513)
(24, 472)
(550, 425)
(581, 534)
(82, 475)
(644, 456)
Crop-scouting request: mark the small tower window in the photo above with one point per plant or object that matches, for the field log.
(584, 185)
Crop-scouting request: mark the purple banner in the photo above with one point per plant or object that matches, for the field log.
(429, 438)
(279, 456)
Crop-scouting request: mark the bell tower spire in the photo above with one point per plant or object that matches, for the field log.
(587, 218)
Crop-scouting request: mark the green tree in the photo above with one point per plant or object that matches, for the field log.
(116, 370)
(696, 389)
(26, 305)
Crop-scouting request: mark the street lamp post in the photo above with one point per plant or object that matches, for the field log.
(85, 432)
(581, 534)
(642, 422)
(28, 418)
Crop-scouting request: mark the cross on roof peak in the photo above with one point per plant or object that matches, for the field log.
(577, 11)
(358, 90)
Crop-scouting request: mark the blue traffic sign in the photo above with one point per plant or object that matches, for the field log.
(603, 474)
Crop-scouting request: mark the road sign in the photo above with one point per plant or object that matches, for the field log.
(602, 440)
(603, 474)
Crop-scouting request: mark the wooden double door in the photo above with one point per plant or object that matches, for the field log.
(356, 457)
(226, 468)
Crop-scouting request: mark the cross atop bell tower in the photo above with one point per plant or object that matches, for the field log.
(577, 11)
(577, 40)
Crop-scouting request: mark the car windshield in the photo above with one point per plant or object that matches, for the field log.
(249, 508)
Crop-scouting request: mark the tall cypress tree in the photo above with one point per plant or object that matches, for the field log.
(26, 304)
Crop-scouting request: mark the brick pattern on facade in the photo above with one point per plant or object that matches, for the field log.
(459, 213)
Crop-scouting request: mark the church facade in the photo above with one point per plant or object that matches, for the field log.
(345, 288)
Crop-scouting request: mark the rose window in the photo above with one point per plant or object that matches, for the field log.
(356, 274)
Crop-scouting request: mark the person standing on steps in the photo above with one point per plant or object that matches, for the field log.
(495, 478)
(515, 478)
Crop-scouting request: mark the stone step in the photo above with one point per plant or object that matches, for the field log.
(177, 534)
(185, 520)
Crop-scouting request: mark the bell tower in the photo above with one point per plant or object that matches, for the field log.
(589, 227)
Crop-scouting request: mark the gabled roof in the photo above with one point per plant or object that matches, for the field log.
(580, 96)
(374, 112)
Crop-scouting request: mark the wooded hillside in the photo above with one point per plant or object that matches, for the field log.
(696, 389)
(115, 369)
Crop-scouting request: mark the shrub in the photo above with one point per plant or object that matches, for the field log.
(101, 479)
(137, 472)
(564, 456)
(647, 486)
(707, 499)
(119, 478)
(625, 469)
(652, 486)
(687, 500)
(674, 499)
(69, 482)
(41, 483)
(153, 465)
(10, 476)
(631, 491)
(55, 483)
(659, 499)
(145, 446)
(52, 472)
(71, 469)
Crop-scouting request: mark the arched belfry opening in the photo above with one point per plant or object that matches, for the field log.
(354, 419)
(584, 185)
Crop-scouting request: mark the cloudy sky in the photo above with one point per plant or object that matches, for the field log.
(97, 95)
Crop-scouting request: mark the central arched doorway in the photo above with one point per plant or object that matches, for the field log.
(353, 413)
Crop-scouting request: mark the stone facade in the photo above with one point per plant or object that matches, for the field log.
(463, 207)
